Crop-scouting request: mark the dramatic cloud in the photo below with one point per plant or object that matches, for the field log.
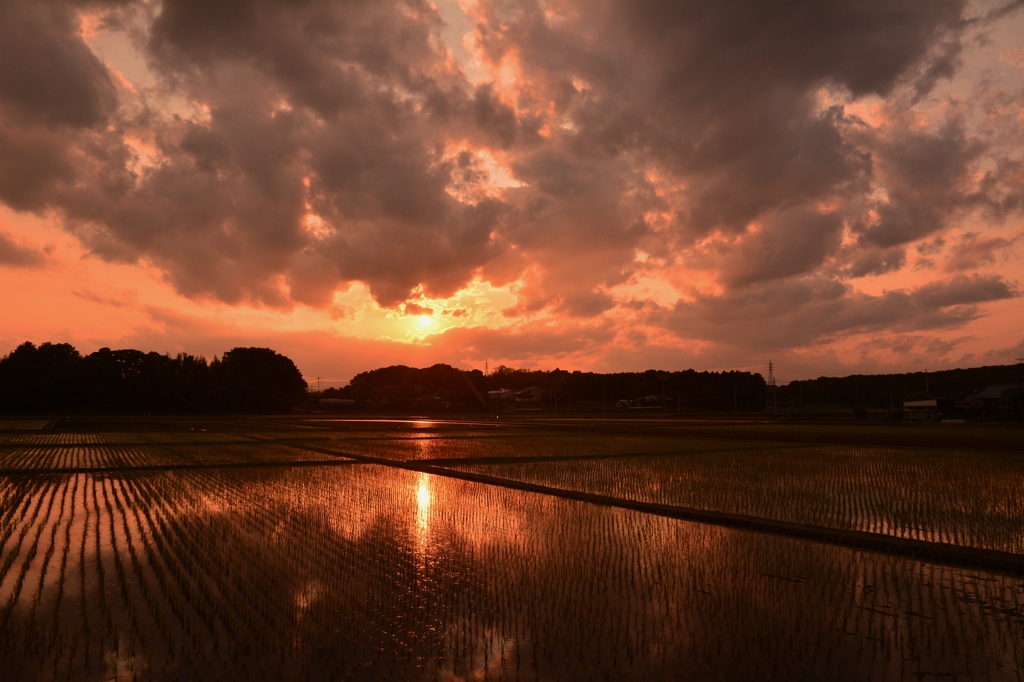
(798, 313)
(682, 171)
(16, 255)
(974, 251)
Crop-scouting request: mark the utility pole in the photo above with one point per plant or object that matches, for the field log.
(318, 384)
(771, 382)
(734, 400)
(927, 391)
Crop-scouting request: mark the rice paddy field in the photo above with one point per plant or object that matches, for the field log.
(406, 550)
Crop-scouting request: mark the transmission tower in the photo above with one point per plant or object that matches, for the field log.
(771, 382)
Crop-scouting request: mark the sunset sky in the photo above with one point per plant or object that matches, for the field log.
(601, 185)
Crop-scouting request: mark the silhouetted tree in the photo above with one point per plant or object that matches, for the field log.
(259, 380)
(39, 379)
(56, 378)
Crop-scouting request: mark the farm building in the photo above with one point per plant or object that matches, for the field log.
(931, 410)
(985, 404)
(529, 397)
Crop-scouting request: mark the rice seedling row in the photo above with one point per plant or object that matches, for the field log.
(961, 498)
(84, 458)
(372, 572)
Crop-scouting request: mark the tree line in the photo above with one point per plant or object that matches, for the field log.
(55, 377)
(399, 387)
(881, 390)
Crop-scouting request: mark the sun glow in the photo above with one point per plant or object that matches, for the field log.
(423, 496)
(423, 499)
(425, 320)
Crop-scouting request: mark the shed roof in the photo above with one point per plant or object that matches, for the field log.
(992, 392)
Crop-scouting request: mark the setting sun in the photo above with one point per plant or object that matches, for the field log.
(425, 320)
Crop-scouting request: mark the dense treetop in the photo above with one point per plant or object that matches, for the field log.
(408, 386)
(55, 377)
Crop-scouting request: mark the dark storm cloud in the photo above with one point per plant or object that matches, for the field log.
(787, 243)
(658, 126)
(52, 91)
(867, 46)
(361, 80)
(927, 181)
(339, 108)
(974, 251)
(49, 74)
(721, 93)
(791, 313)
(725, 99)
(13, 254)
(588, 304)
(875, 261)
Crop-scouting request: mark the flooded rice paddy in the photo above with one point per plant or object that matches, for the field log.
(348, 569)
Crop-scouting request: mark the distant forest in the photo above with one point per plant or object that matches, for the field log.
(56, 378)
(400, 386)
(876, 390)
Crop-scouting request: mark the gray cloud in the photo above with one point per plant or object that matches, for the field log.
(798, 313)
(341, 107)
(13, 254)
(589, 304)
(53, 93)
(416, 309)
(50, 75)
(926, 176)
(632, 126)
(974, 251)
(724, 100)
(875, 261)
(788, 243)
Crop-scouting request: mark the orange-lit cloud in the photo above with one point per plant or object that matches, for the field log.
(597, 184)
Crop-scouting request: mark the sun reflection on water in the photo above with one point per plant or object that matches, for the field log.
(423, 506)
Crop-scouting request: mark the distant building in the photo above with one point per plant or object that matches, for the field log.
(503, 399)
(530, 397)
(983, 404)
(336, 404)
(989, 398)
(931, 410)
(510, 400)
